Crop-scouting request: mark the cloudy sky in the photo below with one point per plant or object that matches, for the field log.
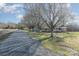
(11, 13)
(14, 12)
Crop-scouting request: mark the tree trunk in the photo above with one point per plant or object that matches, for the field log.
(52, 34)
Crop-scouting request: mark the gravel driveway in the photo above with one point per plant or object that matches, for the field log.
(20, 44)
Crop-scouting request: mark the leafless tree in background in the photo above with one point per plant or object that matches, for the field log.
(32, 18)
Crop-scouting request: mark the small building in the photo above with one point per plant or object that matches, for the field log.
(60, 29)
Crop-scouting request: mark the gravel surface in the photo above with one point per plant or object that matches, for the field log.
(20, 44)
(5, 31)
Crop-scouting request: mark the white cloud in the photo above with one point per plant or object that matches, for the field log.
(17, 5)
(9, 8)
(68, 5)
(75, 18)
(2, 4)
(19, 16)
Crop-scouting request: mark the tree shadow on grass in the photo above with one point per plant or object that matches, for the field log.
(55, 39)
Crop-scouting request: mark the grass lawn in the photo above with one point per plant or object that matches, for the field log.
(70, 42)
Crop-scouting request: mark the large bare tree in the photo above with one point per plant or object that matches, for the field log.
(54, 15)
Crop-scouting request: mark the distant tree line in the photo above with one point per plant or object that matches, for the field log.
(72, 27)
(11, 26)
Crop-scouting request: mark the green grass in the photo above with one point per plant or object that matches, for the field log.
(70, 39)
(54, 47)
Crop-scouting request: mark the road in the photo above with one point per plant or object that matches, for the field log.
(20, 44)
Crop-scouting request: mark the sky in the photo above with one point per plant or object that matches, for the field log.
(11, 13)
(14, 12)
(75, 9)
